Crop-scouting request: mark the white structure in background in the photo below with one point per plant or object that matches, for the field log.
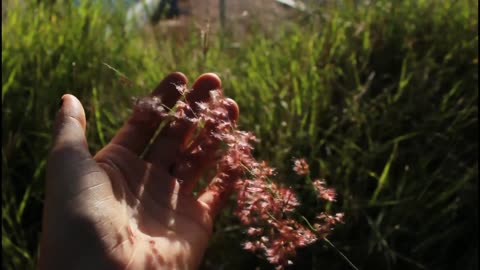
(293, 4)
(140, 13)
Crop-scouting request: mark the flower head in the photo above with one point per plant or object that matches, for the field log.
(301, 167)
(328, 194)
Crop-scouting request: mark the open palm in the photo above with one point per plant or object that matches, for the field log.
(129, 206)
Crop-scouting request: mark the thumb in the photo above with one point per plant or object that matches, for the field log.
(69, 130)
(69, 157)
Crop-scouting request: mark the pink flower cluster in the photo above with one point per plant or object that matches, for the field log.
(269, 211)
(328, 194)
(301, 167)
(266, 208)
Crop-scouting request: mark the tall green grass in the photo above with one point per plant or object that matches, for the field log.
(380, 97)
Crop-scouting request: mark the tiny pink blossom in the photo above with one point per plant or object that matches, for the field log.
(255, 231)
(181, 88)
(301, 167)
(328, 194)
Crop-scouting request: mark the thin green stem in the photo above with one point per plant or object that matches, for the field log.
(341, 253)
(329, 243)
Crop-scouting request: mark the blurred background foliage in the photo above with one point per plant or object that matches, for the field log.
(380, 96)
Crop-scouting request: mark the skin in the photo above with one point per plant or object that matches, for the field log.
(120, 209)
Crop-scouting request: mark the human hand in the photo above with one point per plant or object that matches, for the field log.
(122, 210)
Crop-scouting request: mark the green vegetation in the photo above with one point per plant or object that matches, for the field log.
(381, 98)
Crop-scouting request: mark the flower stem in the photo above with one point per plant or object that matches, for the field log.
(341, 254)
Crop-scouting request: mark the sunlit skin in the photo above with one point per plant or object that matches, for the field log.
(120, 209)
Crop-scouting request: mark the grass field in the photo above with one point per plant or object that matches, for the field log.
(381, 97)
